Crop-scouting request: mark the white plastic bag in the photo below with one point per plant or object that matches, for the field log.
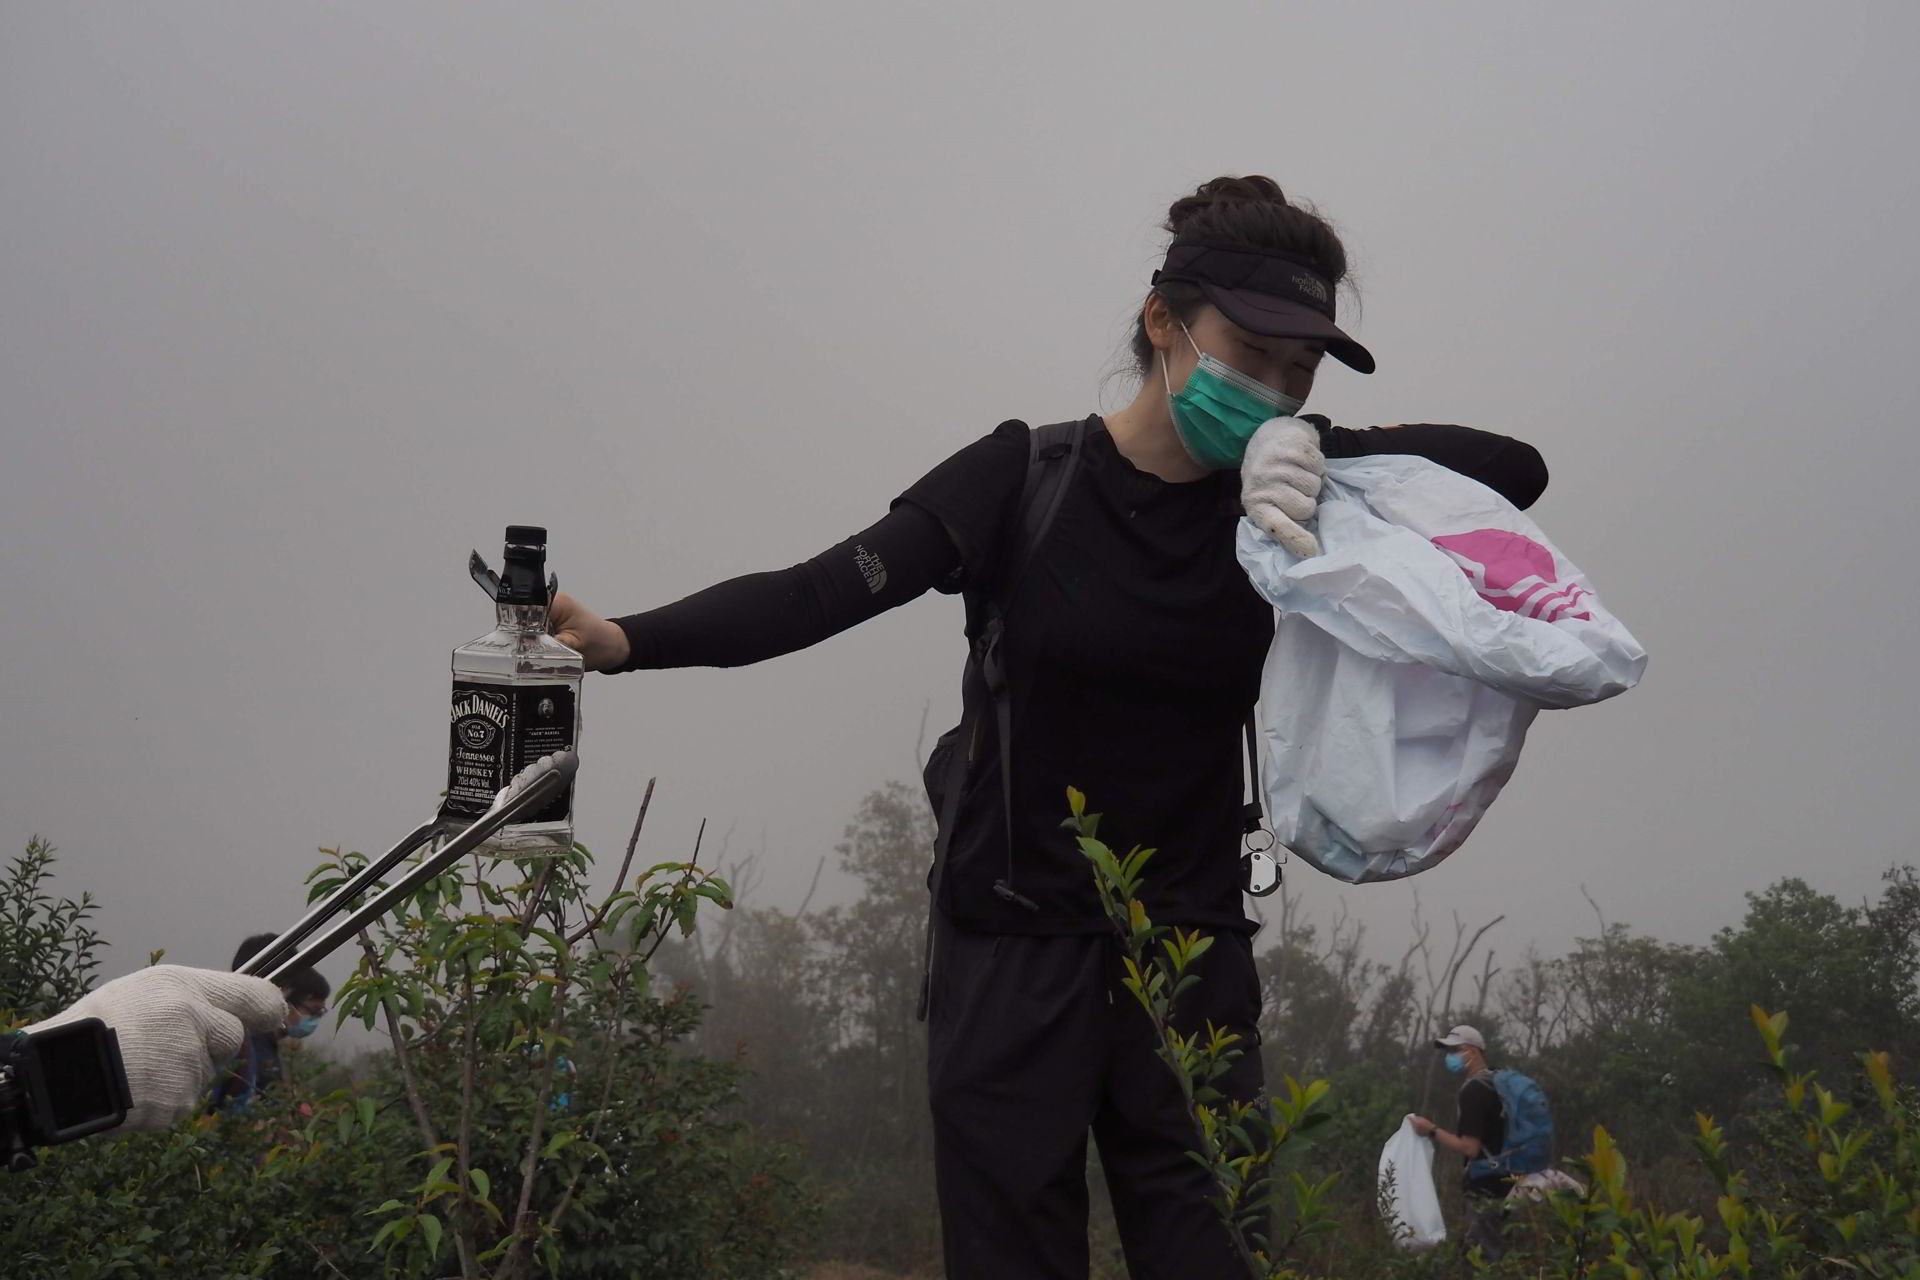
(1410, 657)
(1408, 1200)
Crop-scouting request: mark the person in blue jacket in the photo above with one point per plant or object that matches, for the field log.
(256, 1068)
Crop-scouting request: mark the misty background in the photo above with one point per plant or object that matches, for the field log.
(300, 303)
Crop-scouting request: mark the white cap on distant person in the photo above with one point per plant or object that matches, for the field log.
(1462, 1035)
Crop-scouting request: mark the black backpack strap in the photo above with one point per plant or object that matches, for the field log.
(1258, 845)
(1253, 815)
(1053, 458)
(1045, 489)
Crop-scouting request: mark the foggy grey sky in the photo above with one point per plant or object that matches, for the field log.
(298, 303)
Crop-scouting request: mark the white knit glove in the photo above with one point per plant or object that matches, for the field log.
(1280, 481)
(176, 1025)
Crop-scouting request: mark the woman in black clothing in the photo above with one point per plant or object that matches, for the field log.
(1133, 650)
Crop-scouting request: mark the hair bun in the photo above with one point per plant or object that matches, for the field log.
(1221, 192)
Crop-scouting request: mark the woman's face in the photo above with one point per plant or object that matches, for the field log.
(1285, 364)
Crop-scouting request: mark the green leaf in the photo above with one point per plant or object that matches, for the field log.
(481, 1183)
(437, 1174)
(430, 1226)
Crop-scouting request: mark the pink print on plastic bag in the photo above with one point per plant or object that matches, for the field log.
(1515, 573)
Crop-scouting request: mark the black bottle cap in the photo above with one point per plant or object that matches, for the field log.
(523, 572)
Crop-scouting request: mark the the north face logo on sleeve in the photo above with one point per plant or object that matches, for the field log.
(1514, 573)
(871, 568)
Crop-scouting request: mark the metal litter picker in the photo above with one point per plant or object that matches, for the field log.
(68, 1081)
(531, 788)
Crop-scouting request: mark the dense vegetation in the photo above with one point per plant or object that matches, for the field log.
(536, 1112)
(1624, 1031)
(557, 1098)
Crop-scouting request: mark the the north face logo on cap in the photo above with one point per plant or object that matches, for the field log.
(1310, 286)
(1514, 573)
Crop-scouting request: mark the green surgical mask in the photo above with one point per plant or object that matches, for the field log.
(1220, 408)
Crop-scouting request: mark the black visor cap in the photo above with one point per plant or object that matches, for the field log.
(1265, 292)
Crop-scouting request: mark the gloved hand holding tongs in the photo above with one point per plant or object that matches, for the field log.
(141, 1050)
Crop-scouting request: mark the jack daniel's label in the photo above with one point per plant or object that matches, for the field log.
(499, 730)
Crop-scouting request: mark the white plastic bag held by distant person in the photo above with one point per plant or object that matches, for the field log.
(1410, 657)
(1408, 1200)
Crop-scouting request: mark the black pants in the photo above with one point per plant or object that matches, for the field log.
(1032, 1043)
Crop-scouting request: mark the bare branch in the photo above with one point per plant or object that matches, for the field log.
(525, 1220)
(1598, 913)
(1456, 960)
(1463, 956)
(626, 862)
(400, 1058)
(623, 980)
(1485, 980)
(463, 1144)
(327, 1262)
(807, 901)
(536, 896)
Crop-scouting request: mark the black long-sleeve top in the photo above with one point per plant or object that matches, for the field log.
(1134, 647)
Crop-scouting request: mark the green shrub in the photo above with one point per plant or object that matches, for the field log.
(1832, 1188)
(536, 1113)
(1247, 1147)
(47, 945)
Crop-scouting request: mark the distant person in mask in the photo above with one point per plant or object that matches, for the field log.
(256, 1068)
(1133, 651)
(1480, 1130)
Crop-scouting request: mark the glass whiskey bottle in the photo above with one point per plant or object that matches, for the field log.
(516, 697)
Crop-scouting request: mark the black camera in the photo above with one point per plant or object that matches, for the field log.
(57, 1085)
